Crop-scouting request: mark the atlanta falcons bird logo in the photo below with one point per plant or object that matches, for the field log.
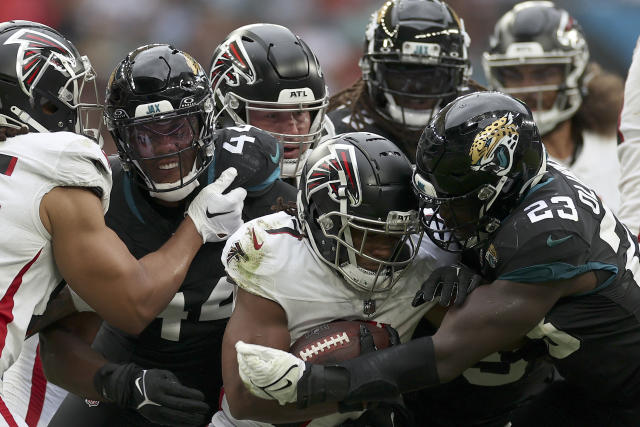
(232, 64)
(36, 53)
(338, 173)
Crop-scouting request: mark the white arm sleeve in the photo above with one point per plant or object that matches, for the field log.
(629, 148)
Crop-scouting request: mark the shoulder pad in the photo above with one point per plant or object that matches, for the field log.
(254, 255)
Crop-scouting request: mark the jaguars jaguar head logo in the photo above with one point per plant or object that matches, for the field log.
(493, 147)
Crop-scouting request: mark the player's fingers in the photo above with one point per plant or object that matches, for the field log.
(447, 293)
(236, 195)
(186, 404)
(428, 289)
(181, 391)
(462, 289)
(224, 180)
(476, 281)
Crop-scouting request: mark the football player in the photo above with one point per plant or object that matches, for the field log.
(563, 272)
(266, 76)
(55, 186)
(158, 171)
(629, 148)
(539, 54)
(352, 251)
(415, 61)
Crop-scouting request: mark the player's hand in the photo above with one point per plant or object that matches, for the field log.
(367, 343)
(155, 393)
(7, 132)
(450, 284)
(216, 215)
(269, 373)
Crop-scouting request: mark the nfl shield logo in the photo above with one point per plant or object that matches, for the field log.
(92, 403)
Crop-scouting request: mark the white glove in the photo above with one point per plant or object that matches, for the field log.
(269, 373)
(216, 215)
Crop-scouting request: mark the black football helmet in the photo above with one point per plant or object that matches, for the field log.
(267, 68)
(475, 160)
(42, 80)
(415, 59)
(355, 187)
(254, 153)
(540, 33)
(159, 92)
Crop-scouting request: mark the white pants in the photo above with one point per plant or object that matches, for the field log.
(26, 391)
(223, 418)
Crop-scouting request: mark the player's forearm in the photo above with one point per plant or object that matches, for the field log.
(163, 273)
(69, 361)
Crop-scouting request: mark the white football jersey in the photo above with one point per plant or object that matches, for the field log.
(30, 166)
(629, 149)
(269, 258)
(597, 166)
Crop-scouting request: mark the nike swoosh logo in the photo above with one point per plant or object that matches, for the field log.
(211, 215)
(288, 384)
(274, 158)
(256, 245)
(555, 242)
(138, 386)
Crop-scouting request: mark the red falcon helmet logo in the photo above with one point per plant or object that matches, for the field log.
(232, 64)
(36, 53)
(338, 173)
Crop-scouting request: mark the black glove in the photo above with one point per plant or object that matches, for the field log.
(367, 344)
(155, 393)
(450, 283)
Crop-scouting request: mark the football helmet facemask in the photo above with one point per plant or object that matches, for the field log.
(357, 208)
(159, 110)
(415, 59)
(42, 82)
(547, 40)
(266, 76)
(475, 160)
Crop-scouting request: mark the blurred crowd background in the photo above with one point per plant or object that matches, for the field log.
(106, 30)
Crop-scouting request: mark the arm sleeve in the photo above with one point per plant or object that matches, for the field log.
(629, 148)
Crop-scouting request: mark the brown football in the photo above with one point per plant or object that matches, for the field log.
(337, 341)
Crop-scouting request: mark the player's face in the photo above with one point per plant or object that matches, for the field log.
(524, 76)
(290, 121)
(460, 217)
(376, 245)
(166, 148)
(420, 84)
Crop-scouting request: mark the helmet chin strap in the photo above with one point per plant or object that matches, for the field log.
(179, 193)
(24, 117)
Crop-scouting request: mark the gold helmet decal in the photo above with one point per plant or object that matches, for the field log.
(493, 147)
(192, 63)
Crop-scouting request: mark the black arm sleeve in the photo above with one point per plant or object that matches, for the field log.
(376, 376)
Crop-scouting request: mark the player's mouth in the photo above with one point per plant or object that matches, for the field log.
(168, 166)
(291, 151)
(166, 171)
